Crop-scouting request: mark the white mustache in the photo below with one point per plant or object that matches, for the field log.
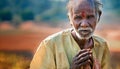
(88, 28)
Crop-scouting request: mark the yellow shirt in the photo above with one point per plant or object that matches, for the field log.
(58, 50)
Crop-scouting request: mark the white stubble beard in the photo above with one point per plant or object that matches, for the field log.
(80, 37)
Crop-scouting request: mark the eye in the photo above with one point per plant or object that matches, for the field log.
(90, 16)
(78, 17)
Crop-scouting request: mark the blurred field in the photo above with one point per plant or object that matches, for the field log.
(26, 39)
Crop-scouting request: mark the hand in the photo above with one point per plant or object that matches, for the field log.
(84, 57)
(96, 64)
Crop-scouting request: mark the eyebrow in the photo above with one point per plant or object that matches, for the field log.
(79, 11)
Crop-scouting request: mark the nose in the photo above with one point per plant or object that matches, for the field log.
(84, 24)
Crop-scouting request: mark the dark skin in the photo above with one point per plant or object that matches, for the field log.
(83, 15)
(83, 44)
(83, 57)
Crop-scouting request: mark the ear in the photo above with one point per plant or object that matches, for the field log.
(99, 13)
(70, 19)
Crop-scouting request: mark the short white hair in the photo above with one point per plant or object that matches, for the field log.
(97, 4)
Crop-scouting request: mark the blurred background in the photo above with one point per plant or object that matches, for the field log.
(25, 23)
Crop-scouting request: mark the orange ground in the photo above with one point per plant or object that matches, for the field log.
(22, 40)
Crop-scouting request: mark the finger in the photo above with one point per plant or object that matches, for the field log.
(91, 58)
(84, 54)
(91, 63)
(91, 55)
(83, 59)
(89, 49)
(81, 51)
(83, 63)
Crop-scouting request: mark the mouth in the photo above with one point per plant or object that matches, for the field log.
(84, 32)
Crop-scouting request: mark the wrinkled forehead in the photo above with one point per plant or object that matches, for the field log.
(83, 5)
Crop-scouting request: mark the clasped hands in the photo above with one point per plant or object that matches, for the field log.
(83, 59)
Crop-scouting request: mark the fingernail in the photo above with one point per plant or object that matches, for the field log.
(90, 55)
(88, 49)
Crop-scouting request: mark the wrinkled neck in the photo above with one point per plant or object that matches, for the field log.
(83, 43)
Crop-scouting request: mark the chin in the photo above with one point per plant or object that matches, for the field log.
(81, 36)
(84, 37)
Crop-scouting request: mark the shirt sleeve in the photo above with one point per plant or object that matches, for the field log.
(43, 58)
(106, 58)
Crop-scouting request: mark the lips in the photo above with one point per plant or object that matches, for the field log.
(84, 32)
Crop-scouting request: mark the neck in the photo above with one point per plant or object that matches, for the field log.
(83, 43)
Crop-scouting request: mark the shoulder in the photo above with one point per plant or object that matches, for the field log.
(57, 36)
(99, 40)
(55, 39)
(101, 44)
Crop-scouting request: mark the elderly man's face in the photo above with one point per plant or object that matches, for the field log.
(83, 17)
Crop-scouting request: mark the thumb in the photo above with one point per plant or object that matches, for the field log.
(96, 64)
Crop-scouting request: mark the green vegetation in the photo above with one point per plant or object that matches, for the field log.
(50, 11)
(5, 15)
(14, 61)
(17, 11)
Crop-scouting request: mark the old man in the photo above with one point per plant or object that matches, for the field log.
(77, 47)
